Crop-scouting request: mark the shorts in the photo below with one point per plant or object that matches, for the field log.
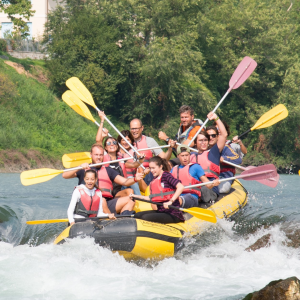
(112, 203)
(188, 200)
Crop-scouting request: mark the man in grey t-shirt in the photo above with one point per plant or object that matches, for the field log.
(238, 146)
(141, 142)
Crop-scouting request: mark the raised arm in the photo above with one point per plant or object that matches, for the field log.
(100, 134)
(238, 141)
(73, 173)
(222, 130)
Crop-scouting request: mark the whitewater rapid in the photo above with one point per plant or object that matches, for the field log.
(213, 265)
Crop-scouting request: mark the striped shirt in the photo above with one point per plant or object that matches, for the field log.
(169, 181)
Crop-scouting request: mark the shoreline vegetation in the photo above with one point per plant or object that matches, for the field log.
(38, 128)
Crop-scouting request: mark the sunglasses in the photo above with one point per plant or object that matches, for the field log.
(111, 143)
(212, 135)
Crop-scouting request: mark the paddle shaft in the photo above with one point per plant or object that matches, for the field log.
(103, 217)
(37, 222)
(267, 119)
(116, 129)
(121, 145)
(158, 203)
(99, 164)
(220, 102)
(234, 165)
(230, 178)
(245, 133)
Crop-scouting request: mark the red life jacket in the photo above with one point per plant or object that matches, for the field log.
(184, 175)
(105, 183)
(210, 169)
(227, 168)
(88, 206)
(130, 172)
(142, 144)
(159, 193)
(121, 163)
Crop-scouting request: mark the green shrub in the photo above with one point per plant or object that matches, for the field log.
(3, 45)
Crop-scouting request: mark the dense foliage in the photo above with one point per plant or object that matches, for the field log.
(147, 58)
(17, 11)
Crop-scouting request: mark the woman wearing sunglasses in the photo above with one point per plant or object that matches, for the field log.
(114, 152)
(213, 140)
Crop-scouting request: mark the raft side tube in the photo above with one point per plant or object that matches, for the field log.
(138, 237)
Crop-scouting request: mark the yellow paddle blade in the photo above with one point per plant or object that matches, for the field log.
(75, 103)
(73, 160)
(271, 117)
(201, 213)
(36, 222)
(75, 85)
(39, 175)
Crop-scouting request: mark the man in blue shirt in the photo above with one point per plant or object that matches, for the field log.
(190, 174)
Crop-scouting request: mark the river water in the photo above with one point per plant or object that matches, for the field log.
(213, 265)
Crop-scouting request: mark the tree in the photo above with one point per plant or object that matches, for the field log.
(21, 8)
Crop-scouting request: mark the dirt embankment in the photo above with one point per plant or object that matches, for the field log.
(37, 72)
(14, 161)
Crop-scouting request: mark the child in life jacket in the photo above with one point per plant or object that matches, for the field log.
(87, 200)
(164, 189)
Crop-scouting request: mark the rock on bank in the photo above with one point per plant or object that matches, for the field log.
(288, 289)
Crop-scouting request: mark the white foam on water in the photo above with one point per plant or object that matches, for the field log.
(79, 269)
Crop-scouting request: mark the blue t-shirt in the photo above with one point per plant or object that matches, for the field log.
(195, 171)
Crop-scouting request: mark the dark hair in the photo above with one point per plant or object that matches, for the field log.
(226, 127)
(185, 109)
(213, 128)
(126, 133)
(203, 132)
(96, 146)
(160, 162)
(96, 176)
(110, 137)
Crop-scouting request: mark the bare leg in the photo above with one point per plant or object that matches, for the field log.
(124, 193)
(124, 203)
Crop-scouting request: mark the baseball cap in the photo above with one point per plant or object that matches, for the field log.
(183, 148)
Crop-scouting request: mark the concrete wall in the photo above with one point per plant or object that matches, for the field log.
(42, 8)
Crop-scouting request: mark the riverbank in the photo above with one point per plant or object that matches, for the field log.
(14, 161)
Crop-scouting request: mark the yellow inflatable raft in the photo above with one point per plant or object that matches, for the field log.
(134, 238)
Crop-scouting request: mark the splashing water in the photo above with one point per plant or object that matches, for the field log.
(213, 265)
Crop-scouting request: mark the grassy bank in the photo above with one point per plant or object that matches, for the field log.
(35, 122)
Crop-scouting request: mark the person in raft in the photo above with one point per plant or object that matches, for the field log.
(210, 160)
(106, 177)
(87, 200)
(141, 142)
(226, 171)
(126, 169)
(164, 189)
(189, 174)
(188, 126)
